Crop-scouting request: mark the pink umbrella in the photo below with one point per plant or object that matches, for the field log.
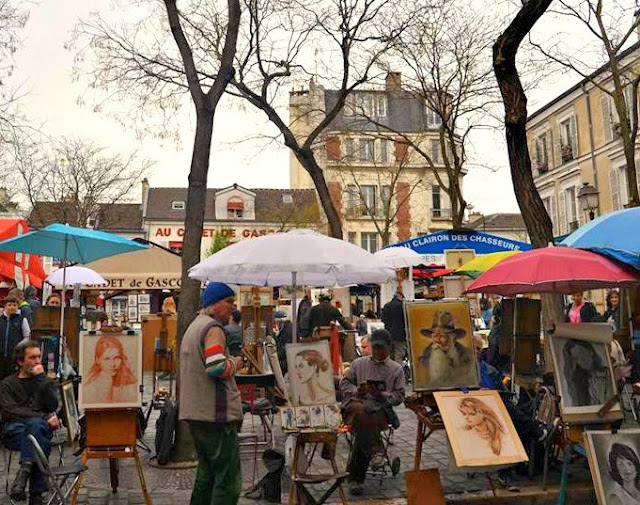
(552, 270)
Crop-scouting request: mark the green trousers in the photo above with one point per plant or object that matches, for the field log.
(219, 477)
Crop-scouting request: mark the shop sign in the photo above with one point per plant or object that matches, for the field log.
(150, 282)
(231, 233)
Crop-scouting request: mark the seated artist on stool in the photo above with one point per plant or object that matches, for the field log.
(372, 386)
(28, 403)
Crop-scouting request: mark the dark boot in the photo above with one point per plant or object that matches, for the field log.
(17, 491)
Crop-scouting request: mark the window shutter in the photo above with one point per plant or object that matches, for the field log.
(559, 147)
(574, 137)
(614, 188)
(582, 218)
(624, 186)
(333, 148)
(562, 214)
(401, 149)
(605, 104)
(553, 214)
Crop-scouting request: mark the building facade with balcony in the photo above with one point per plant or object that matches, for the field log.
(573, 140)
(383, 190)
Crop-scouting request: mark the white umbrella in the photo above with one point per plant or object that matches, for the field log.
(75, 275)
(298, 257)
(400, 257)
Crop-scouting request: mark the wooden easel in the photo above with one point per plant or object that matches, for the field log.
(299, 479)
(427, 422)
(112, 434)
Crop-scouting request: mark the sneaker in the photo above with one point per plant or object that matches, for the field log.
(356, 489)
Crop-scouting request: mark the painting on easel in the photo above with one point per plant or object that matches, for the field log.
(310, 373)
(111, 370)
(442, 354)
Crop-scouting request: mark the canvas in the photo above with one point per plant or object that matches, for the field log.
(317, 416)
(310, 374)
(479, 429)
(303, 417)
(615, 465)
(71, 416)
(332, 415)
(441, 349)
(287, 418)
(584, 378)
(111, 370)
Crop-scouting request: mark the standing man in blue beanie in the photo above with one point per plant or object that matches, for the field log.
(210, 400)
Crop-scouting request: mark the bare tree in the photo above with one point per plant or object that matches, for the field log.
(78, 177)
(347, 40)
(134, 62)
(612, 27)
(533, 211)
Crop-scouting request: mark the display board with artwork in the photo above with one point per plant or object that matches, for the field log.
(615, 465)
(310, 374)
(479, 429)
(583, 371)
(111, 370)
(441, 349)
(314, 417)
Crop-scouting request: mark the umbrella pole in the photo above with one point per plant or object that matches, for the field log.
(294, 308)
(62, 343)
(513, 345)
(628, 297)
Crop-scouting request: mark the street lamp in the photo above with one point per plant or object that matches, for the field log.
(588, 198)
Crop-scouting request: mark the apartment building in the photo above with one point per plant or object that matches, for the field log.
(574, 140)
(376, 180)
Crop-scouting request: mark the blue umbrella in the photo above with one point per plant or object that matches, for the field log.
(70, 244)
(616, 235)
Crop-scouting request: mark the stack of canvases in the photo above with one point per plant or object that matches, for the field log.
(586, 382)
(480, 431)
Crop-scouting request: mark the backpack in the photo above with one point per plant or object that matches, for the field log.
(165, 431)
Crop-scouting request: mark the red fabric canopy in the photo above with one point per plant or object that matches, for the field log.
(552, 270)
(24, 269)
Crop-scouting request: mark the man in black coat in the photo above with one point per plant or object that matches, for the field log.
(324, 313)
(393, 319)
(28, 403)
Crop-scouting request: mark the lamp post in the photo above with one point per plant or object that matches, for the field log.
(588, 196)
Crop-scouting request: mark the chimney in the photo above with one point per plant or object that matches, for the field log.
(394, 81)
(145, 195)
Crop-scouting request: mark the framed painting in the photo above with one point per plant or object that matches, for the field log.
(584, 375)
(132, 300)
(317, 416)
(144, 299)
(440, 346)
(70, 408)
(111, 370)
(144, 309)
(132, 313)
(615, 465)
(310, 374)
(287, 418)
(479, 429)
(303, 417)
(332, 415)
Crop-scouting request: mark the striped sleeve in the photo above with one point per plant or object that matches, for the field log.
(216, 363)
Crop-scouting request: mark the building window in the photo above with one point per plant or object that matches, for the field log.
(369, 241)
(349, 150)
(542, 144)
(550, 205)
(352, 237)
(369, 104)
(568, 140)
(384, 151)
(235, 208)
(366, 149)
(368, 196)
(435, 150)
(618, 187)
(178, 205)
(432, 117)
(353, 200)
(385, 199)
(436, 203)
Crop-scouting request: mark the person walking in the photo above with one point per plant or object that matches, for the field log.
(304, 309)
(29, 402)
(210, 400)
(393, 319)
(13, 328)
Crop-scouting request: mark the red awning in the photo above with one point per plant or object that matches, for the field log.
(235, 205)
(24, 269)
(430, 274)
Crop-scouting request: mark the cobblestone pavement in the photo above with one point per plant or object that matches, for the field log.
(173, 487)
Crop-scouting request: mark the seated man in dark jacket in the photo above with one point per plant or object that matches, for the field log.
(28, 403)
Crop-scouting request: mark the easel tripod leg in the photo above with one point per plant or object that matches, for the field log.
(113, 474)
(143, 483)
(78, 484)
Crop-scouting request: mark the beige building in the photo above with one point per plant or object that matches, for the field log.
(573, 141)
(509, 226)
(375, 180)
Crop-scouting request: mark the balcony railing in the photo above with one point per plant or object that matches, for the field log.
(441, 213)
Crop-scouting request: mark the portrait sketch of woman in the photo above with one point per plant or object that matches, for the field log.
(615, 466)
(110, 369)
(310, 373)
(479, 429)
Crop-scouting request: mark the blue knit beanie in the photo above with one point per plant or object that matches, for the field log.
(214, 292)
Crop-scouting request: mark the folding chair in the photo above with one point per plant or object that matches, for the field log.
(390, 465)
(57, 477)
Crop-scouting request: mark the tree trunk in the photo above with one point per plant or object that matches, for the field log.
(189, 300)
(306, 158)
(632, 180)
(533, 211)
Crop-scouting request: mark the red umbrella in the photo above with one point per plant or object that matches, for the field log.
(552, 270)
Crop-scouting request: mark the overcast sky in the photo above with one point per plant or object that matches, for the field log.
(44, 69)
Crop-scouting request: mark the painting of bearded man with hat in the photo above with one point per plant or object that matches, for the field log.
(442, 360)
